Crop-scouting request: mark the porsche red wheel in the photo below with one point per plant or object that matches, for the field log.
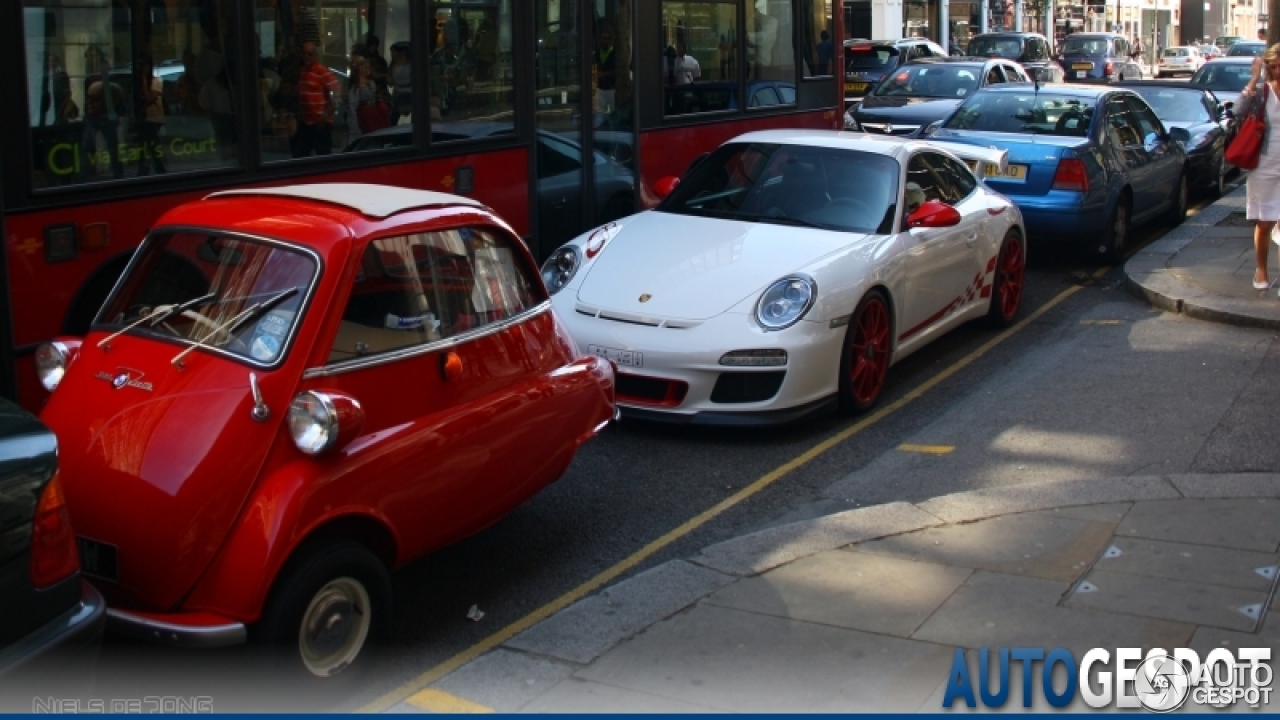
(865, 361)
(1006, 293)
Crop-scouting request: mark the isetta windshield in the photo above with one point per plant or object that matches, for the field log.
(226, 294)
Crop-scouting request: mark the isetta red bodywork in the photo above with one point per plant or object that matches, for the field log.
(292, 391)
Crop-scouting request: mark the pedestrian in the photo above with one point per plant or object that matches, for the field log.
(401, 77)
(825, 50)
(367, 109)
(1263, 185)
(149, 97)
(685, 67)
(317, 88)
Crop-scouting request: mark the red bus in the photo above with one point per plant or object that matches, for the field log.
(558, 114)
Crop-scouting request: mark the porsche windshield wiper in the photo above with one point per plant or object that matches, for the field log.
(787, 220)
(235, 323)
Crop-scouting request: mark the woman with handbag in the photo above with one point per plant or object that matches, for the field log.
(1262, 108)
(367, 110)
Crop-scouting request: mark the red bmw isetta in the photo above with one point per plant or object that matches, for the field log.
(292, 391)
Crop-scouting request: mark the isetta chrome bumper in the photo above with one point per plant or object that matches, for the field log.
(195, 629)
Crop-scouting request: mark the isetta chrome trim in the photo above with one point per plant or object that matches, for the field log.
(206, 636)
(360, 363)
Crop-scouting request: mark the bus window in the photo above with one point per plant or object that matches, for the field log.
(325, 82)
(115, 95)
(769, 51)
(816, 46)
(471, 83)
(699, 57)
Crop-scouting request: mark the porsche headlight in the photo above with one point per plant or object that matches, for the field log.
(560, 268)
(785, 302)
(52, 359)
(313, 422)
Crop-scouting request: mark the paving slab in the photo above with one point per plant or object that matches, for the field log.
(998, 610)
(1107, 512)
(990, 502)
(1179, 600)
(1225, 567)
(504, 680)
(1034, 544)
(846, 589)
(1248, 524)
(1230, 485)
(746, 662)
(769, 548)
(576, 695)
(589, 627)
(1206, 639)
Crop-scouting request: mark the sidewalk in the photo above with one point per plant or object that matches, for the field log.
(863, 610)
(1204, 268)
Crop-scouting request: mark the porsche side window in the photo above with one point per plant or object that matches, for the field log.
(961, 179)
(924, 183)
(417, 289)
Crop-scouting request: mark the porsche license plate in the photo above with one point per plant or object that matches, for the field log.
(1012, 173)
(1081, 66)
(855, 87)
(629, 358)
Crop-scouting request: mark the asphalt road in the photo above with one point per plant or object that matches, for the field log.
(1074, 393)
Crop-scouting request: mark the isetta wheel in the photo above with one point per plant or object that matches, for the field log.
(331, 601)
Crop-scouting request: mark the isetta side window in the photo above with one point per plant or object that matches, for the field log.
(418, 289)
(226, 294)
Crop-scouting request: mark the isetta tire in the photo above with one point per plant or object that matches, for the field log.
(329, 604)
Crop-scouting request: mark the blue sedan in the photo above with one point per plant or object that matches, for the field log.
(1085, 163)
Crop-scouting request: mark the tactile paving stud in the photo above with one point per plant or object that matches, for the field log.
(1087, 587)
(1252, 611)
(1113, 552)
(1268, 572)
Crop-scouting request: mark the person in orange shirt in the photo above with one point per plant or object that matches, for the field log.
(317, 104)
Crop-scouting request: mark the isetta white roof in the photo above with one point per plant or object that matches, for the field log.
(376, 201)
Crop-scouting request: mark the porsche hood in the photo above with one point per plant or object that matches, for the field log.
(690, 267)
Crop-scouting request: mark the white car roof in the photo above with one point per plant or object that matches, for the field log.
(376, 201)
(895, 147)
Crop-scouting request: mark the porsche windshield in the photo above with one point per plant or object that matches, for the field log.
(1025, 112)
(798, 185)
(225, 294)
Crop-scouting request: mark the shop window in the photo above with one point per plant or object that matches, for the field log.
(113, 94)
(700, 56)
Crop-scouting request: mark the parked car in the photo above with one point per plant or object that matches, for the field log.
(1247, 48)
(1196, 110)
(787, 271)
(1225, 42)
(1226, 77)
(559, 168)
(869, 61)
(1209, 52)
(1085, 164)
(50, 612)
(1174, 60)
(293, 391)
(1098, 58)
(720, 96)
(926, 91)
(1031, 50)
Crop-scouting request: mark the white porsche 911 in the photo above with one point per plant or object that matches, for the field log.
(787, 271)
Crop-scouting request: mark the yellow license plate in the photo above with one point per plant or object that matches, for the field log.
(1081, 66)
(1012, 173)
(855, 87)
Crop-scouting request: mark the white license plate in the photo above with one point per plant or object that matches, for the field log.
(629, 358)
(1081, 73)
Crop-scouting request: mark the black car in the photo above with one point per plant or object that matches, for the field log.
(1197, 110)
(866, 62)
(1226, 78)
(927, 91)
(50, 613)
(1098, 58)
(1031, 50)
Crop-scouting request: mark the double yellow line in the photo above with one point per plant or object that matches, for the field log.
(405, 690)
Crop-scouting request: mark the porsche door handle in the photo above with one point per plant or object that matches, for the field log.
(972, 239)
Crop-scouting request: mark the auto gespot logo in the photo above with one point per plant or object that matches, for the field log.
(1160, 681)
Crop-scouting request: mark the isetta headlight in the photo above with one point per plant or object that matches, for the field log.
(52, 359)
(320, 421)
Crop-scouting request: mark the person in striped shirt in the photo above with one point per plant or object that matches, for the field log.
(318, 90)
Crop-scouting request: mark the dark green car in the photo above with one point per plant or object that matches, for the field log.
(50, 613)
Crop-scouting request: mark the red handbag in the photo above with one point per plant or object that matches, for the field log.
(1245, 148)
(373, 115)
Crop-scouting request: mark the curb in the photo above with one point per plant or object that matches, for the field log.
(1147, 275)
(558, 646)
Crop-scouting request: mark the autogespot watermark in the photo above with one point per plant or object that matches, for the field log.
(151, 704)
(1160, 682)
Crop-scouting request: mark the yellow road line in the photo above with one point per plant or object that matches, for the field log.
(439, 701)
(1101, 322)
(927, 449)
(639, 556)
